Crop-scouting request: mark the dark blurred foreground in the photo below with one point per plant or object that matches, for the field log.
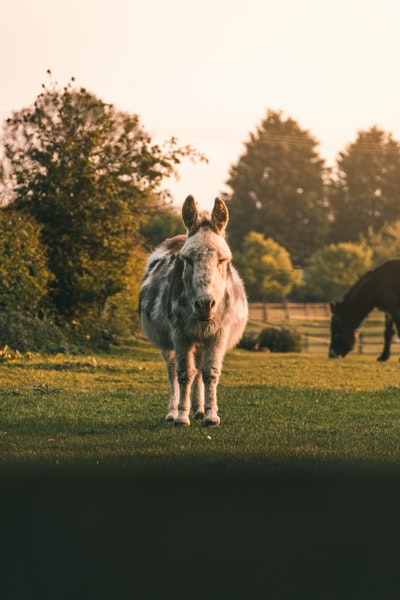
(236, 534)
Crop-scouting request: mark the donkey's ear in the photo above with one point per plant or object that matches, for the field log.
(219, 216)
(190, 214)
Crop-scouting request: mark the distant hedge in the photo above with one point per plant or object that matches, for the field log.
(25, 333)
(273, 339)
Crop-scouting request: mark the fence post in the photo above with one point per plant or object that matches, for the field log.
(264, 312)
(306, 342)
(286, 309)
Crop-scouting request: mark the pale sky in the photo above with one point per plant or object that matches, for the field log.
(206, 71)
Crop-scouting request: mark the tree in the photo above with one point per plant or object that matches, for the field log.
(24, 274)
(120, 316)
(365, 193)
(385, 243)
(278, 189)
(333, 269)
(89, 174)
(166, 223)
(265, 267)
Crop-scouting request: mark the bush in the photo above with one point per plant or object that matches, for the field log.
(24, 273)
(249, 341)
(24, 333)
(272, 339)
(280, 340)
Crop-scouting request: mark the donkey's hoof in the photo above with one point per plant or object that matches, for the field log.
(182, 421)
(199, 415)
(212, 421)
(170, 416)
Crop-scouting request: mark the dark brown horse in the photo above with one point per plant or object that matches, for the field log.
(379, 288)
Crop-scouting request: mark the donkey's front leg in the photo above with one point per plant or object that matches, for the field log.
(211, 372)
(211, 378)
(186, 372)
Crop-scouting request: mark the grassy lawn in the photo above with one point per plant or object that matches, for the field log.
(295, 495)
(276, 411)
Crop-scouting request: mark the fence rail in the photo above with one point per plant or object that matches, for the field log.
(276, 312)
(287, 311)
(313, 320)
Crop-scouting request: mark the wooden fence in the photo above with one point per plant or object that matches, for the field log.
(313, 321)
(288, 311)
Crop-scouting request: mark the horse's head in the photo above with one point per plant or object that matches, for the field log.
(343, 335)
(206, 257)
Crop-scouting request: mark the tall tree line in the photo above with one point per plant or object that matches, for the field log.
(282, 188)
(82, 196)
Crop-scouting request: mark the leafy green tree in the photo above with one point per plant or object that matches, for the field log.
(385, 243)
(24, 274)
(333, 269)
(265, 267)
(366, 190)
(89, 174)
(120, 317)
(166, 223)
(278, 189)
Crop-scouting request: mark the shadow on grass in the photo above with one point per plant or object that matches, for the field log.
(218, 531)
(82, 366)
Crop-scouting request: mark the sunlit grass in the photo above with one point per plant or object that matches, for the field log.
(276, 411)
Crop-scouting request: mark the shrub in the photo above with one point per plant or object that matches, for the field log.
(280, 340)
(249, 341)
(25, 333)
(24, 274)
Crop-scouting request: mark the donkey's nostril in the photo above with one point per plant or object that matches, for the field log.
(204, 303)
(203, 307)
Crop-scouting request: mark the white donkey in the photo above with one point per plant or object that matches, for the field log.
(193, 306)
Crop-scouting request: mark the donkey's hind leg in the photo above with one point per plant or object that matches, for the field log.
(169, 358)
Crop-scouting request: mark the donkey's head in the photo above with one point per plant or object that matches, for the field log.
(206, 257)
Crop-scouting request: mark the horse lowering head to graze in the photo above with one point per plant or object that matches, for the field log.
(379, 288)
(343, 334)
(193, 306)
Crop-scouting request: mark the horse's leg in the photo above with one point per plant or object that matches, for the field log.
(396, 318)
(186, 372)
(198, 387)
(388, 336)
(169, 358)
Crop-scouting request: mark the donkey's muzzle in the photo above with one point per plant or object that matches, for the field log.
(204, 308)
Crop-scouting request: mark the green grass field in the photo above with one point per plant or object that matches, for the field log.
(295, 495)
(276, 410)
